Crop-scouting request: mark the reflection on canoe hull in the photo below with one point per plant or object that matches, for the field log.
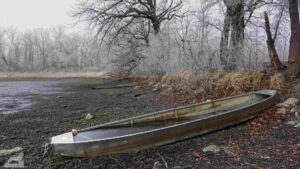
(163, 127)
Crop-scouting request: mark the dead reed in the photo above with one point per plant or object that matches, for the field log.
(204, 85)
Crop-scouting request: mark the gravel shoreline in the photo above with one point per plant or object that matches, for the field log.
(272, 145)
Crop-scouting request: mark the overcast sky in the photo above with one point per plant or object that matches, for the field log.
(28, 14)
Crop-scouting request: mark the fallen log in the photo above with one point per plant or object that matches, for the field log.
(114, 87)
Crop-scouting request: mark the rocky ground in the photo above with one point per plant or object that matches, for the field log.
(269, 141)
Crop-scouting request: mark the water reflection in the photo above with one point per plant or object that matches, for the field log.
(16, 96)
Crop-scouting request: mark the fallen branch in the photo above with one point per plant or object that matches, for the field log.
(116, 160)
(162, 158)
(114, 87)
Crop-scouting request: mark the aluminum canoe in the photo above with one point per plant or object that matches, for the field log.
(159, 128)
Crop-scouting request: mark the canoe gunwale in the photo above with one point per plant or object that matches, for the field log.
(171, 109)
(271, 96)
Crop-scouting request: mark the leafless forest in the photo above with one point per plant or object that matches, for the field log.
(123, 59)
(160, 36)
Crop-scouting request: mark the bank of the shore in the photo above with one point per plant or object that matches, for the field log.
(50, 75)
(266, 142)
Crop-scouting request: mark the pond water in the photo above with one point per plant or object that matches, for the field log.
(16, 96)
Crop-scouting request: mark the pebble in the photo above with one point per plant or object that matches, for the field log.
(289, 103)
(281, 111)
(11, 151)
(157, 165)
(295, 109)
(89, 116)
(211, 148)
(15, 161)
(295, 124)
(297, 115)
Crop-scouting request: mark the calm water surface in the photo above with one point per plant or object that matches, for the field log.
(16, 96)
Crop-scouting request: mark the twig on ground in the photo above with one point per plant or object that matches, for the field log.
(117, 161)
(253, 165)
(231, 153)
(162, 158)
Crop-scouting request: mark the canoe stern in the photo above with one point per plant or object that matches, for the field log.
(66, 138)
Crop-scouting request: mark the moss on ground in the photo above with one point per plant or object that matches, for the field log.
(58, 161)
(104, 116)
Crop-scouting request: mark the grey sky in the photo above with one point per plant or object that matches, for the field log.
(28, 14)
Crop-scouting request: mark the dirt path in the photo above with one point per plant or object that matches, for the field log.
(245, 146)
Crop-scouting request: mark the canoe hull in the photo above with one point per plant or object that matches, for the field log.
(162, 136)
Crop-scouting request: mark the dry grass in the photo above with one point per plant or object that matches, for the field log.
(33, 75)
(203, 85)
(277, 81)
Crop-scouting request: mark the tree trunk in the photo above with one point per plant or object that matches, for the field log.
(294, 54)
(224, 41)
(156, 26)
(237, 35)
(231, 50)
(275, 62)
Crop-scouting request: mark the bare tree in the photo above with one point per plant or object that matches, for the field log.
(3, 50)
(114, 16)
(294, 55)
(237, 15)
(28, 49)
(140, 30)
(232, 48)
(275, 62)
(14, 51)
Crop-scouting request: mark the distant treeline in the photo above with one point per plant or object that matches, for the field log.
(48, 50)
(206, 36)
